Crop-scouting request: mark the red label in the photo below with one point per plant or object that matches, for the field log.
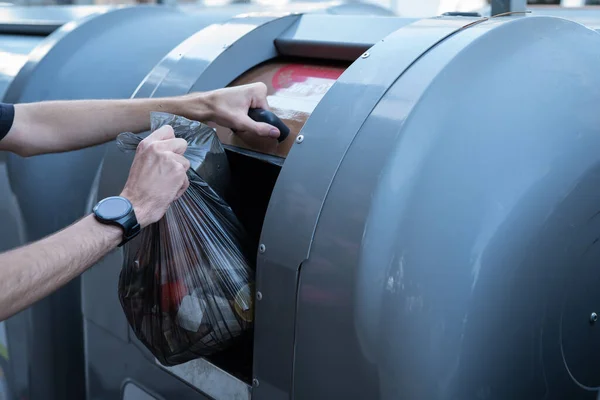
(298, 73)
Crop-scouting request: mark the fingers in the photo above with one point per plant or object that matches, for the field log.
(258, 92)
(177, 146)
(263, 129)
(183, 188)
(164, 133)
(182, 160)
(247, 124)
(231, 106)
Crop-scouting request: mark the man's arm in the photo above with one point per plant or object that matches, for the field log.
(33, 272)
(157, 177)
(58, 126)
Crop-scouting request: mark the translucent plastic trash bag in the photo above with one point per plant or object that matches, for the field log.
(186, 286)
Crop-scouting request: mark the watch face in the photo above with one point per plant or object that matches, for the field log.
(113, 208)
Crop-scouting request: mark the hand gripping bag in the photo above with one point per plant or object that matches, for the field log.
(186, 286)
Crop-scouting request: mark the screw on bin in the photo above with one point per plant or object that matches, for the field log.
(593, 317)
(300, 139)
(262, 248)
(255, 382)
(258, 296)
(365, 54)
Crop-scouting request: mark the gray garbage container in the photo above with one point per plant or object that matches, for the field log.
(428, 231)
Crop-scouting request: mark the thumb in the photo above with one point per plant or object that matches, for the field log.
(260, 128)
(163, 133)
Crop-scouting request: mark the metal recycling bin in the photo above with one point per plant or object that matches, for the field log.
(81, 53)
(428, 231)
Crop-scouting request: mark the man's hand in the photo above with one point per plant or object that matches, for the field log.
(229, 108)
(157, 176)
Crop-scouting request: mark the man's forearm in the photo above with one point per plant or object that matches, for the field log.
(58, 126)
(31, 272)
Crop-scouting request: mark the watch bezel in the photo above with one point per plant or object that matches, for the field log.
(98, 208)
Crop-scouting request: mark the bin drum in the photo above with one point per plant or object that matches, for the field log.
(456, 252)
(421, 241)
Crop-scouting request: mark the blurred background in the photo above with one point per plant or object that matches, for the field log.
(409, 8)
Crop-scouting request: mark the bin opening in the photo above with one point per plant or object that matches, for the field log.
(295, 87)
(252, 182)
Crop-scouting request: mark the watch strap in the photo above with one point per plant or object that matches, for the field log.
(131, 228)
(128, 223)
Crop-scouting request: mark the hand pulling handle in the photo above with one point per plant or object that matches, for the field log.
(262, 115)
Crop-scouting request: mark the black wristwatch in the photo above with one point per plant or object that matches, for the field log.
(118, 211)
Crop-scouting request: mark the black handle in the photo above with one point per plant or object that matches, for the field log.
(262, 115)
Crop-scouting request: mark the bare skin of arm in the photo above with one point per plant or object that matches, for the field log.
(31, 273)
(157, 177)
(58, 126)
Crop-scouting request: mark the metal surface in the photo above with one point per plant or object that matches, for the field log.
(322, 37)
(332, 7)
(43, 20)
(214, 53)
(210, 59)
(131, 391)
(98, 57)
(505, 6)
(212, 381)
(459, 259)
(363, 9)
(131, 365)
(420, 243)
(14, 51)
(588, 16)
(303, 184)
(213, 58)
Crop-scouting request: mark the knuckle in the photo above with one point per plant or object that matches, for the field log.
(262, 86)
(259, 89)
(153, 147)
(179, 169)
(168, 129)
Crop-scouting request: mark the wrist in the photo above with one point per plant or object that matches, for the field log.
(112, 234)
(140, 211)
(195, 106)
